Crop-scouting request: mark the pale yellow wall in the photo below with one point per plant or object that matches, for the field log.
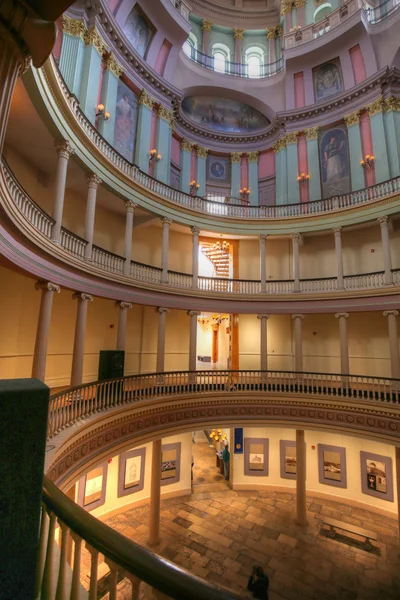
(321, 343)
(279, 342)
(353, 447)
(278, 259)
(204, 339)
(176, 340)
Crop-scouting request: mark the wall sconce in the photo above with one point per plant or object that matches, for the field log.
(102, 113)
(303, 179)
(154, 156)
(194, 187)
(244, 194)
(203, 320)
(367, 162)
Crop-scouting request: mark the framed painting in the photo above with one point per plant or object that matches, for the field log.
(138, 30)
(170, 463)
(92, 488)
(377, 476)
(218, 169)
(332, 465)
(131, 471)
(327, 79)
(334, 162)
(288, 459)
(256, 456)
(126, 111)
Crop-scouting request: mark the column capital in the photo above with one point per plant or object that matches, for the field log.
(352, 118)
(291, 137)
(186, 145)
(202, 152)
(395, 313)
(110, 64)
(263, 317)
(206, 25)
(122, 304)
(274, 32)
(195, 230)
(238, 34)
(193, 313)
(166, 114)
(93, 181)
(391, 104)
(311, 133)
(63, 148)
(92, 37)
(73, 27)
(82, 296)
(236, 157)
(279, 145)
(166, 222)
(376, 106)
(146, 100)
(48, 286)
(383, 221)
(298, 317)
(160, 310)
(263, 236)
(337, 231)
(295, 237)
(252, 157)
(130, 206)
(339, 315)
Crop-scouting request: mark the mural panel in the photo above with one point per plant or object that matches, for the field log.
(125, 121)
(328, 80)
(138, 31)
(334, 162)
(223, 114)
(217, 169)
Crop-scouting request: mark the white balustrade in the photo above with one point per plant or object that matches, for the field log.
(181, 280)
(72, 243)
(107, 260)
(145, 273)
(364, 282)
(329, 284)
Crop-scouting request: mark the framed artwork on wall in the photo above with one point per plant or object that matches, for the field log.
(256, 456)
(139, 30)
(131, 471)
(377, 476)
(288, 459)
(92, 488)
(126, 111)
(332, 465)
(334, 161)
(327, 79)
(218, 169)
(170, 463)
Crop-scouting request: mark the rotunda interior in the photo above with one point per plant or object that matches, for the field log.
(200, 267)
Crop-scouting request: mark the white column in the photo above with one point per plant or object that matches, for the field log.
(263, 263)
(296, 261)
(43, 327)
(193, 314)
(344, 344)
(130, 209)
(122, 319)
(64, 151)
(165, 248)
(162, 321)
(93, 183)
(339, 257)
(387, 257)
(263, 342)
(195, 257)
(79, 340)
(301, 470)
(298, 342)
(393, 343)
(155, 494)
(397, 462)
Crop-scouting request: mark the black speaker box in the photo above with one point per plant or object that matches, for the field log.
(111, 364)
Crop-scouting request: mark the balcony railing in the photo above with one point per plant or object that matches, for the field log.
(376, 14)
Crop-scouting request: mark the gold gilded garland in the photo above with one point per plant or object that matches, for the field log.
(111, 64)
(253, 156)
(236, 157)
(353, 118)
(146, 100)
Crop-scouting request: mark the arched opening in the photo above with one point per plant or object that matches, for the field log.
(254, 60)
(190, 46)
(322, 12)
(221, 58)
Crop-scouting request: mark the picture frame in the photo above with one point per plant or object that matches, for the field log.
(377, 476)
(327, 79)
(332, 468)
(131, 471)
(287, 459)
(256, 457)
(170, 463)
(92, 487)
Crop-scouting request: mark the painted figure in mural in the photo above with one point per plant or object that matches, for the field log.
(328, 81)
(125, 119)
(137, 32)
(218, 170)
(223, 114)
(333, 160)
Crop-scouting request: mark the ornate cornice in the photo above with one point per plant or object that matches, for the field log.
(146, 100)
(92, 37)
(206, 25)
(73, 27)
(375, 107)
(111, 64)
(291, 137)
(353, 118)
(252, 157)
(238, 34)
(279, 145)
(166, 114)
(391, 104)
(311, 133)
(200, 151)
(236, 157)
(186, 145)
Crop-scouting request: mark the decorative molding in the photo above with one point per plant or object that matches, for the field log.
(312, 133)
(130, 205)
(391, 104)
(82, 296)
(166, 222)
(146, 100)
(238, 34)
(236, 157)
(206, 25)
(395, 313)
(195, 230)
(383, 221)
(252, 157)
(275, 32)
(64, 149)
(93, 181)
(186, 145)
(122, 304)
(375, 107)
(74, 27)
(291, 137)
(298, 316)
(166, 114)
(48, 286)
(337, 231)
(200, 151)
(112, 65)
(92, 37)
(295, 237)
(352, 118)
(299, 3)
(286, 7)
(279, 145)
(193, 313)
(345, 315)
(263, 316)
(160, 310)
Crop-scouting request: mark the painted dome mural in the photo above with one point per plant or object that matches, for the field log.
(223, 114)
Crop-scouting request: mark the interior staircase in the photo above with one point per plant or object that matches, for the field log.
(218, 253)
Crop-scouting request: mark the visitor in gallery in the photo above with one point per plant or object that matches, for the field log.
(226, 457)
(258, 583)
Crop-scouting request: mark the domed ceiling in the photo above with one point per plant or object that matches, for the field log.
(223, 114)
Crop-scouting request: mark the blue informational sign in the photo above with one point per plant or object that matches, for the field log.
(238, 441)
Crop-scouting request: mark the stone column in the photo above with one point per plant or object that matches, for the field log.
(43, 327)
(201, 170)
(296, 261)
(130, 210)
(79, 340)
(292, 158)
(72, 53)
(339, 257)
(344, 344)
(193, 314)
(238, 37)
(108, 98)
(391, 121)
(155, 495)
(301, 507)
(205, 43)
(165, 123)
(298, 342)
(195, 256)
(263, 263)
(387, 256)
(165, 249)
(236, 159)
(355, 150)
(252, 161)
(122, 319)
(397, 461)
(143, 131)
(393, 343)
(186, 159)
(314, 183)
(263, 342)
(93, 52)
(162, 321)
(64, 151)
(271, 37)
(281, 171)
(93, 184)
(381, 164)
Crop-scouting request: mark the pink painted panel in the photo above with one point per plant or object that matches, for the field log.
(193, 165)
(162, 57)
(112, 4)
(175, 151)
(357, 63)
(303, 166)
(153, 139)
(58, 42)
(244, 173)
(266, 164)
(299, 92)
(367, 146)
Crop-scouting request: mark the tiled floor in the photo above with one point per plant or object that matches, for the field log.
(219, 534)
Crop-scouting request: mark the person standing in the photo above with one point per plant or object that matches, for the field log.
(258, 583)
(226, 458)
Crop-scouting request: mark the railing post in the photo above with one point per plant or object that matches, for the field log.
(94, 560)
(61, 593)
(76, 574)
(47, 591)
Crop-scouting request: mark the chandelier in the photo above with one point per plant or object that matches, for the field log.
(216, 436)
